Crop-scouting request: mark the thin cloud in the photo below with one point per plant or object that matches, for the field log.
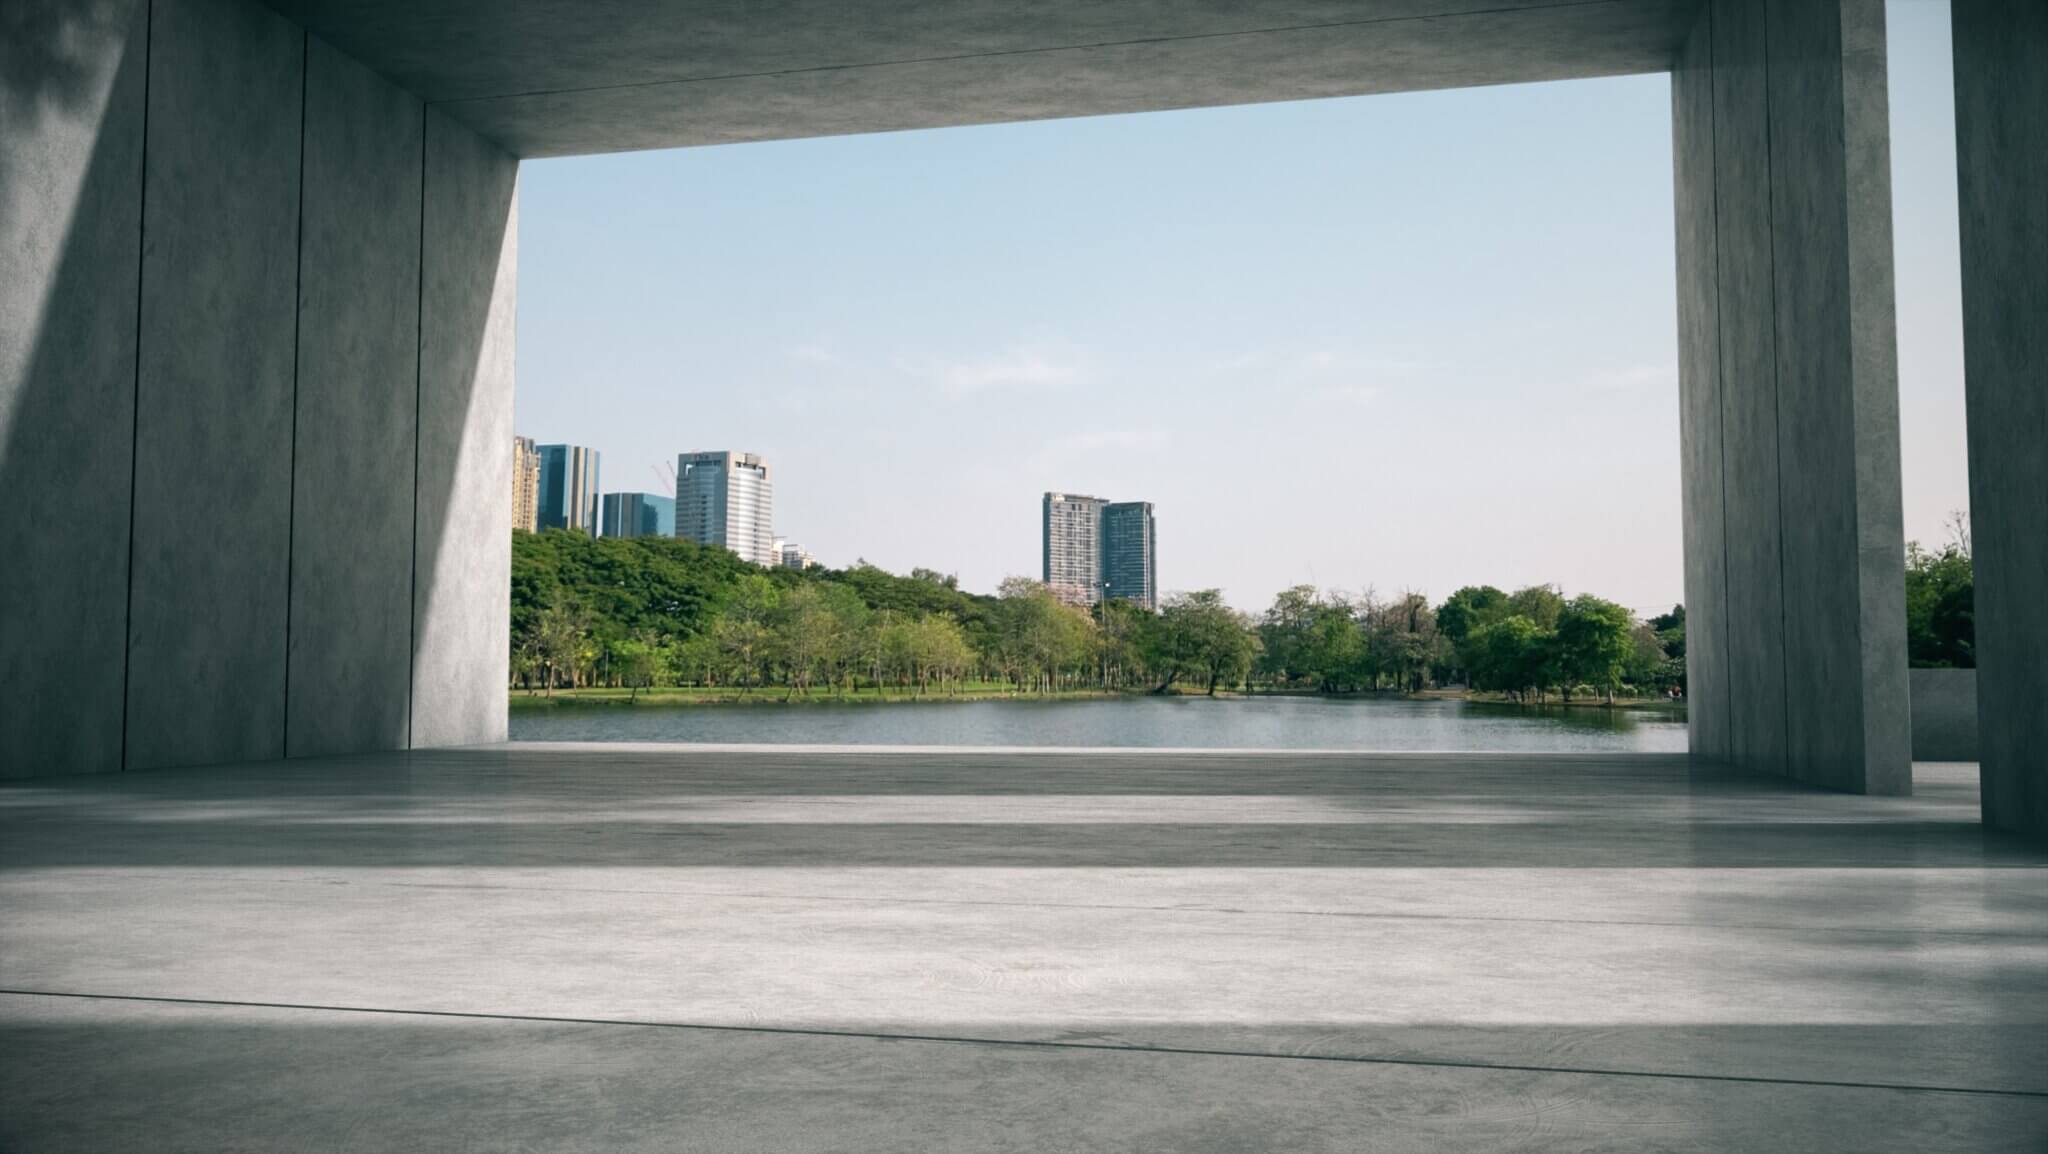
(1025, 368)
(1350, 394)
(1096, 440)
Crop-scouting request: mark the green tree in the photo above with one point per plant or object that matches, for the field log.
(1464, 612)
(1541, 604)
(1510, 656)
(1593, 644)
(804, 629)
(1941, 628)
(1198, 633)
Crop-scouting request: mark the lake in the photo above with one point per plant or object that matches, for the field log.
(1165, 722)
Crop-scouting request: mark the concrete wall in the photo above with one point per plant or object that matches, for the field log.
(356, 428)
(213, 393)
(462, 594)
(1789, 393)
(2001, 69)
(1944, 714)
(211, 347)
(71, 108)
(1700, 415)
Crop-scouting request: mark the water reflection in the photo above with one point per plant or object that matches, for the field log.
(1177, 723)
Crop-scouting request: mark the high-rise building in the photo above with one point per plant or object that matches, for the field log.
(1073, 547)
(568, 488)
(638, 515)
(794, 556)
(1130, 559)
(525, 485)
(726, 498)
(1095, 548)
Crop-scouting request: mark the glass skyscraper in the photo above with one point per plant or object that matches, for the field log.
(568, 488)
(1130, 560)
(727, 498)
(639, 515)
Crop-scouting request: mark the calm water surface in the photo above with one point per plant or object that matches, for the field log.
(1170, 722)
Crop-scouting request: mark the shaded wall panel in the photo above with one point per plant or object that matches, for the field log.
(207, 605)
(1806, 627)
(1848, 722)
(1749, 386)
(1699, 382)
(462, 568)
(2001, 70)
(71, 113)
(352, 484)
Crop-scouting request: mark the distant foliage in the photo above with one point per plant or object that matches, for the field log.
(647, 611)
(1941, 623)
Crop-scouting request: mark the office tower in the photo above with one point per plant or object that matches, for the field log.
(638, 515)
(726, 498)
(525, 485)
(1073, 547)
(1130, 562)
(568, 488)
(794, 556)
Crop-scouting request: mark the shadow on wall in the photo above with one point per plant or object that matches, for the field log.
(81, 82)
(70, 226)
(462, 591)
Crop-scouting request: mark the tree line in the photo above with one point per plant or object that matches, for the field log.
(1941, 602)
(652, 611)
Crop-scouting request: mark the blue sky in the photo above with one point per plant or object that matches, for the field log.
(1407, 342)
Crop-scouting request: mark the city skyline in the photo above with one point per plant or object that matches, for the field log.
(1401, 331)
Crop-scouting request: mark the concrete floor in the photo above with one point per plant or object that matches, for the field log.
(654, 948)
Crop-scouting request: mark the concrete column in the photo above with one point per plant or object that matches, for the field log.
(1795, 574)
(354, 444)
(462, 575)
(212, 515)
(1700, 417)
(2001, 70)
(71, 101)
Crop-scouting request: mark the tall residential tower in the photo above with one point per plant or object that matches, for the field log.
(1073, 547)
(525, 485)
(1095, 548)
(727, 499)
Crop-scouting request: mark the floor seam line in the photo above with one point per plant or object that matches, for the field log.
(1028, 1043)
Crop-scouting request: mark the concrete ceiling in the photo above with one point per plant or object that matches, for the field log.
(563, 77)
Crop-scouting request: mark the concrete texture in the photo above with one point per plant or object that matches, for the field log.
(1944, 714)
(1749, 391)
(1795, 172)
(213, 399)
(353, 448)
(666, 947)
(2001, 68)
(1843, 539)
(1701, 478)
(462, 577)
(181, 324)
(545, 79)
(71, 107)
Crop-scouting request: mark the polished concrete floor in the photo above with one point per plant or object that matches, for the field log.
(676, 948)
